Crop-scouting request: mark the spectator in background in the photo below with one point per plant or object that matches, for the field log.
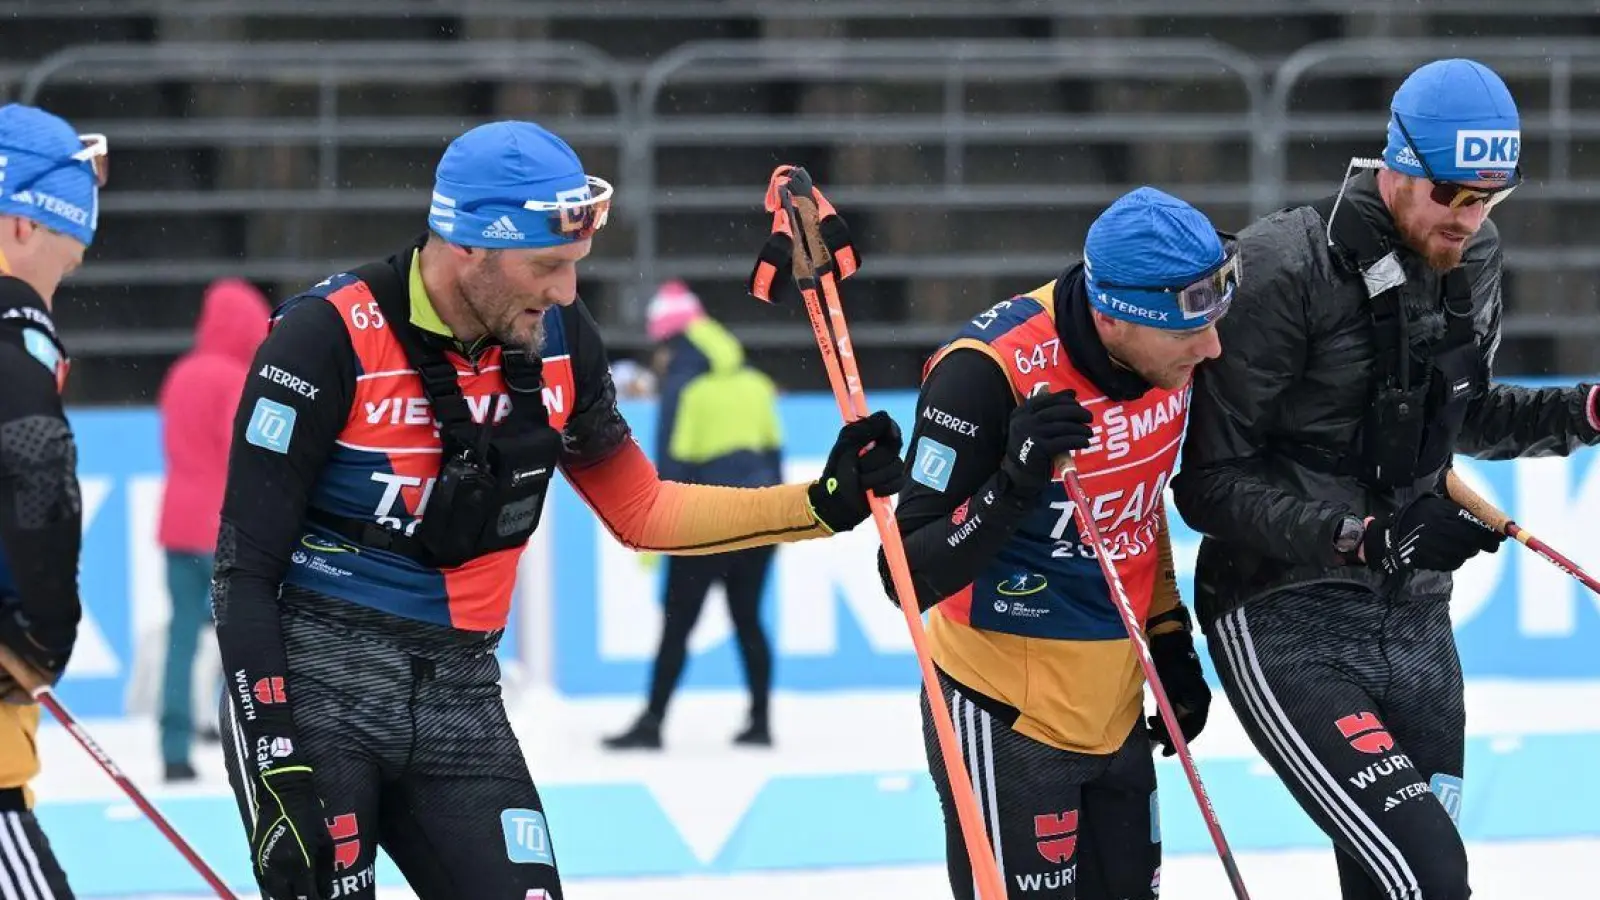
(633, 381)
(718, 425)
(197, 404)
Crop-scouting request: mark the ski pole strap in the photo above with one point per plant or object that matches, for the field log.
(775, 263)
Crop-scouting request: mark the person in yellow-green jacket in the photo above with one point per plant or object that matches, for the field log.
(718, 425)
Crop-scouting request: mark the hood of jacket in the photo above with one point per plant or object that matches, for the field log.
(233, 320)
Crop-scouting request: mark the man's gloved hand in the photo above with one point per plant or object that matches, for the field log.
(1179, 668)
(839, 498)
(1043, 427)
(290, 848)
(44, 645)
(1430, 532)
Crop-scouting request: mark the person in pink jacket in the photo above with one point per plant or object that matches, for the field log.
(197, 404)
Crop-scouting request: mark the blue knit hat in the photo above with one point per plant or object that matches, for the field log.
(1461, 119)
(514, 184)
(44, 175)
(1143, 254)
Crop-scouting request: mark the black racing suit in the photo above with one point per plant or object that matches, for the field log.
(1347, 680)
(41, 528)
(401, 720)
(364, 673)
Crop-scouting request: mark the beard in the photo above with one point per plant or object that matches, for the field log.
(1441, 259)
(527, 337)
(492, 301)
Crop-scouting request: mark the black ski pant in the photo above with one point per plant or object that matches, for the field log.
(1357, 703)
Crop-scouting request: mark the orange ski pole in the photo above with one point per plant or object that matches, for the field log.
(815, 270)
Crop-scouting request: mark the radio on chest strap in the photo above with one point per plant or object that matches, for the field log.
(1420, 390)
(490, 489)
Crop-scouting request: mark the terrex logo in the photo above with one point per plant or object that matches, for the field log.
(1123, 306)
(1366, 733)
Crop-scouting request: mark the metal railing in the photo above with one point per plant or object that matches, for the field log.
(848, 10)
(1266, 123)
(1556, 59)
(639, 130)
(327, 68)
(950, 66)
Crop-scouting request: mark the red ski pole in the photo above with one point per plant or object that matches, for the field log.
(1081, 509)
(36, 686)
(1474, 503)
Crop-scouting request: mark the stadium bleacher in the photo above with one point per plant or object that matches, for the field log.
(969, 143)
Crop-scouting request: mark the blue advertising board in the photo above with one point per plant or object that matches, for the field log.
(1517, 616)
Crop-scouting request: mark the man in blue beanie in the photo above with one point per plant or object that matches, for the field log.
(390, 462)
(1042, 681)
(1360, 360)
(50, 179)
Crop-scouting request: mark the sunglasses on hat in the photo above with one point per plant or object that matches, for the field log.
(95, 155)
(579, 217)
(1454, 195)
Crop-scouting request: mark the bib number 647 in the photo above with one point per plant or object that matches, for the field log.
(1038, 359)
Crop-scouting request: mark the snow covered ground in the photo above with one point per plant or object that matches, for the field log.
(725, 803)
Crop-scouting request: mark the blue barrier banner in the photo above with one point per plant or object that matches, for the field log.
(598, 605)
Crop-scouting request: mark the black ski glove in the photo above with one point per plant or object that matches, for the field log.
(291, 850)
(839, 498)
(45, 645)
(1430, 532)
(1043, 427)
(1185, 682)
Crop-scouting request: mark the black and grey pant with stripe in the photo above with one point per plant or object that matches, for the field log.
(1357, 703)
(28, 869)
(403, 725)
(1063, 825)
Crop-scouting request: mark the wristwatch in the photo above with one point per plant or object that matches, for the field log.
(1347, 536)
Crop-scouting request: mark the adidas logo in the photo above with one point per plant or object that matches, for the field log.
(504, 229)
(1390, 803)
(1407, 158)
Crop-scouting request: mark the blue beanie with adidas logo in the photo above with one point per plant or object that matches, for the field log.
(1460, 119)
(486, 177)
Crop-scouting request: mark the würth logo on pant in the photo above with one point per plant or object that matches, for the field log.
(346, 833)
(269, 690)
(347, 882)
(1366, 733)
(1057, 836)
